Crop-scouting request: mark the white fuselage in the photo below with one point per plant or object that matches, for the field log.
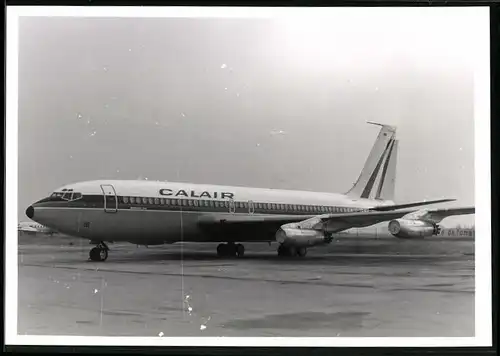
(152, 212)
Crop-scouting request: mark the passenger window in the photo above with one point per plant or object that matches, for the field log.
(173, 202)
(144, 200)
(190, 202)
(184, 202)
(125, 200)
(162, 201)
(132, 200)
(151, 201)
(195, 202)
(157, 201)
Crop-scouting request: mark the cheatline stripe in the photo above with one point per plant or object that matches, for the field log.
(97, 202)
(384, 170)
(371, 181)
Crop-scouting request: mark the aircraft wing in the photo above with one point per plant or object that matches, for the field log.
(340, 222)
(409, 205)
(264, 228)
(436, 215)
(332, 223)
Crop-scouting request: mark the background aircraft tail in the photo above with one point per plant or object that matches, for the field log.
(378, 176)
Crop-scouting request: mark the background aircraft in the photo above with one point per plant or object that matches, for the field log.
(29, 227)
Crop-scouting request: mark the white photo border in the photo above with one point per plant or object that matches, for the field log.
(483, 297)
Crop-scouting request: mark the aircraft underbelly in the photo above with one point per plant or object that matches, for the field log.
(148, 227)
(138, 225)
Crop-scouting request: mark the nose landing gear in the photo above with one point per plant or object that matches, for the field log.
(99, 253)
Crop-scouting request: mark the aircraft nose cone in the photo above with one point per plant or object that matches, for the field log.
(30, 212)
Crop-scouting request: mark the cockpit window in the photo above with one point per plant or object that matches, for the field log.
(67, 194)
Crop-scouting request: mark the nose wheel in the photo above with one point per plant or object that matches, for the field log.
(99, 253)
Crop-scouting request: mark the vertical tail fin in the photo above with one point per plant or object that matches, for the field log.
(381, 164)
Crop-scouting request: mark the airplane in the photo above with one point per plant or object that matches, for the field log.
(28, 227)
(155, 213)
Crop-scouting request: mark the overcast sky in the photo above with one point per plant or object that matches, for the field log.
(252, 102)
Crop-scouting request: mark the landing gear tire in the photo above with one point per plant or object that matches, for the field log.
(291, 251)
(98, 254)
(240, 250)
(230, 250)
(286, 251)
(301, 251)
(220, 250)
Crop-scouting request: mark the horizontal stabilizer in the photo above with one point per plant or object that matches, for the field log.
(409, 205)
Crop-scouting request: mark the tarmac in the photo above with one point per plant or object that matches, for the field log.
(354, 287)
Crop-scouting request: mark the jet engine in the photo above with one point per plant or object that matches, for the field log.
(413, 229)
(292, 236)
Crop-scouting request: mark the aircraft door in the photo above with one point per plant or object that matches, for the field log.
(110, 199)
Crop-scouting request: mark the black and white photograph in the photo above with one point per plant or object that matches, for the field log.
(248, 176)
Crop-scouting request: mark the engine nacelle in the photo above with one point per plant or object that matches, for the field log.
(413, 229)
(293, 236)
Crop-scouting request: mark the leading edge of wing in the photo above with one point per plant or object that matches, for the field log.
(409, 205)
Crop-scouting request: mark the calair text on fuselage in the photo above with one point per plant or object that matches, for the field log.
(194, 194)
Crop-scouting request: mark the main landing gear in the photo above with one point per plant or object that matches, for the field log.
(99, 253)
(230, 250)
(291, 251)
